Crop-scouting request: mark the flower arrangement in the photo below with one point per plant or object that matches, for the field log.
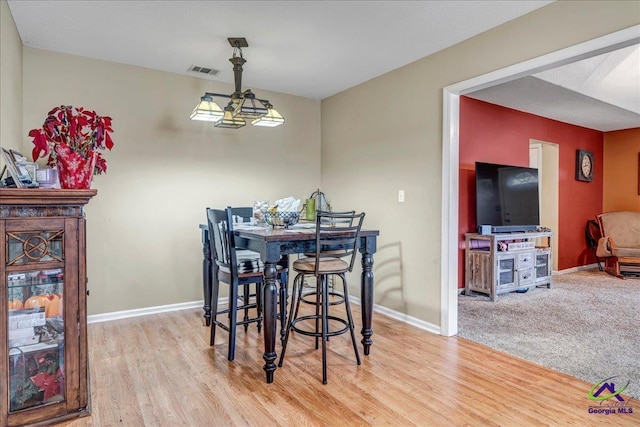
(76, 133)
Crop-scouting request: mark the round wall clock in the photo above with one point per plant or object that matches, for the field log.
(584, 165)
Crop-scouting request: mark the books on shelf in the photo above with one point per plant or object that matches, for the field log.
(520, 245)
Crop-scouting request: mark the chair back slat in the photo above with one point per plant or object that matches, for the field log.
(231, 242)
(217, 224)
(220, 224)
(337, 230)
(345, 217)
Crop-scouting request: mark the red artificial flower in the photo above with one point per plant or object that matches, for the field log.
(101, 164)
(83, 131)
(48, 383)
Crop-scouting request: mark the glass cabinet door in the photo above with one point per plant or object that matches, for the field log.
(36, 344)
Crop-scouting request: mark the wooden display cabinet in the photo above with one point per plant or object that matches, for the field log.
(43, 352)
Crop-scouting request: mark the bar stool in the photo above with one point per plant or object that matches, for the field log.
(337, 238)
(238, 269)
(337, 295)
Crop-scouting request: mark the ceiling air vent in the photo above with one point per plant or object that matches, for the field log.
(203, 70)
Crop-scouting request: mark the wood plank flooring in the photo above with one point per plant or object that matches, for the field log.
(159, 370)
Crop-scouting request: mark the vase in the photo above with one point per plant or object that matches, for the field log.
(74, 170)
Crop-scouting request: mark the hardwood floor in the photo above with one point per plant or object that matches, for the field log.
(159, 370)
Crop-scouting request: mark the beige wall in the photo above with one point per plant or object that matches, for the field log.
(10, 82)
(386, 134)
(622, 171)
(143, 241)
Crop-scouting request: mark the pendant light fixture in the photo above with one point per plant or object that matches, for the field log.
(243, 105)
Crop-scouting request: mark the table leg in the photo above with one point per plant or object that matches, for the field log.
(270, 301)
(367, 301)
(206, 277)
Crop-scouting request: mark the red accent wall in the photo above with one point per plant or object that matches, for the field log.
(495, 134)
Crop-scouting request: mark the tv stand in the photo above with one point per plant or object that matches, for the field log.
(499, 263)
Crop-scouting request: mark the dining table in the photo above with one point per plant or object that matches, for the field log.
(272, 243)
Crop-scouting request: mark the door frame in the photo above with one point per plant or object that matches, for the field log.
(450, 150)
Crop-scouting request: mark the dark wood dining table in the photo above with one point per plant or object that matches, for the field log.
(272, 244)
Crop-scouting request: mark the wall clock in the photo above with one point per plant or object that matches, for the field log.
(584, 165)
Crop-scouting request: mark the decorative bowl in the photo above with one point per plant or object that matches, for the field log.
(282, 219)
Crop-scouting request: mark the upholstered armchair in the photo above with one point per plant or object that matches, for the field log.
(620, 244)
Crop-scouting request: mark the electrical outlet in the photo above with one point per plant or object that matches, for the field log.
(401, 196)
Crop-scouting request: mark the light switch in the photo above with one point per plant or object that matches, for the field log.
(401, 196)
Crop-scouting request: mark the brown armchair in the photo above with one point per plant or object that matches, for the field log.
(620, 244)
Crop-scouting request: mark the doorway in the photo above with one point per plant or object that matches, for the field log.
(545, 156)
(450, 148)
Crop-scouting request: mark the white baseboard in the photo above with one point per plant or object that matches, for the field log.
(413, 321)
(576, 269)
(125, 314)
(116, 315)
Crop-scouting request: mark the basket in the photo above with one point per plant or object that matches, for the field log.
(282, 219)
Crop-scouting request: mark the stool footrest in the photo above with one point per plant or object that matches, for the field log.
(238, 323)
(338, 295)
(319, 334)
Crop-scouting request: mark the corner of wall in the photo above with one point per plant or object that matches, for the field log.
(10, 81)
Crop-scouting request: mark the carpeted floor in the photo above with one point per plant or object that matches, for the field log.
(587, 325)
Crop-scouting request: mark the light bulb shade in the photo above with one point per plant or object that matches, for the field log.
(207, 110)
(271, 119)
(250, 108)
(230, 121)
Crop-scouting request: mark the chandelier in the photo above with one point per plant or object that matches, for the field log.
(242, 106)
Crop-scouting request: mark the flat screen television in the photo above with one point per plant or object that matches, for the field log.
(507, 197)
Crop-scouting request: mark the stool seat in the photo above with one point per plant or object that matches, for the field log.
(333, 252)
(325, 265)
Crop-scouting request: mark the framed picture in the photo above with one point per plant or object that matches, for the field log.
(11, 167)
(25, 168)
(584, 165)
(17, 157)
(18, 169)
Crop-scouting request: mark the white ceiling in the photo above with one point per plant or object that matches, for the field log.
(601, 92)
(307, 48)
